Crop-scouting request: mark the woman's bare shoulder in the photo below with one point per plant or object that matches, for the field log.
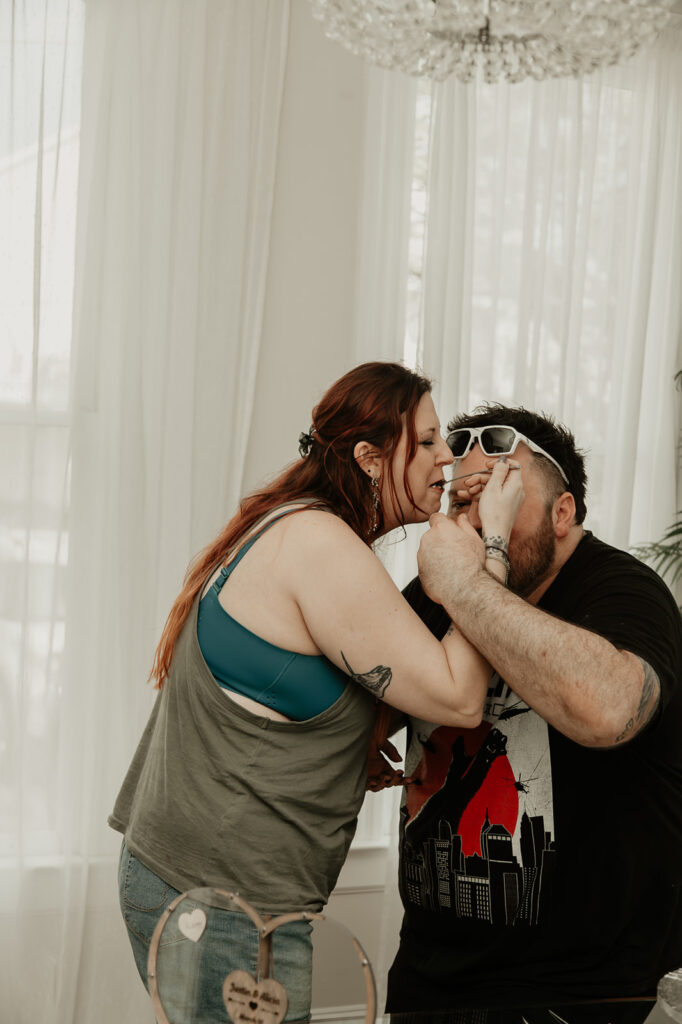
(319, 525)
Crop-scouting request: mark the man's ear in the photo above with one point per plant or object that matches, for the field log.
(563, 514)
(368, 458)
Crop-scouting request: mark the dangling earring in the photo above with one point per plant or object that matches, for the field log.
(374, 525)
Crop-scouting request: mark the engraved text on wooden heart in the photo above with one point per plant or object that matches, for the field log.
(254, 1002)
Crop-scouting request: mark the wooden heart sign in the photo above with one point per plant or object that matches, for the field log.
(248, 1001)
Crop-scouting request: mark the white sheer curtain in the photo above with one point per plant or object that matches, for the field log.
(382, 264)
(40, 77)
(180, 115)
(550, 276)
(553, 267)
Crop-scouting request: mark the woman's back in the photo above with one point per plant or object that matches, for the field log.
(268, 676)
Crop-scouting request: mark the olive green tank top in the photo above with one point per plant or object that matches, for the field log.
(218, 796)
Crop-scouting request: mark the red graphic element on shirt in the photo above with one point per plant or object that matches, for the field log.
(496, 798)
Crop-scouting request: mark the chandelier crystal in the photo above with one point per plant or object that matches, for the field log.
(506, 39)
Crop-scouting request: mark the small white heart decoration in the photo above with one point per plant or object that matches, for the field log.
(192, 925)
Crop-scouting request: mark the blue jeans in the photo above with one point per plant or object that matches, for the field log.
(190, 975)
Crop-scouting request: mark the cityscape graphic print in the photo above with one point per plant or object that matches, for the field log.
(478, 836)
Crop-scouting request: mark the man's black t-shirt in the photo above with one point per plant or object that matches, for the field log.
(532, 868)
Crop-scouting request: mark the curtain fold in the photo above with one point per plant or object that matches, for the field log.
(380, 297)
(179, 132)
(40, 75)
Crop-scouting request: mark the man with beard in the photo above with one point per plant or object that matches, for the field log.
(541, 853)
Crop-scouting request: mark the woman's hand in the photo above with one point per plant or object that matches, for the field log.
(381, 774)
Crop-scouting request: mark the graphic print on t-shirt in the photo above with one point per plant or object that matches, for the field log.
(479, 830)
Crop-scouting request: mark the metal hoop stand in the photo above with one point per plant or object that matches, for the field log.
(265, 930)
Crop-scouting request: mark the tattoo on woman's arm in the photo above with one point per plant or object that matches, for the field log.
(648, 702)
(377, 680)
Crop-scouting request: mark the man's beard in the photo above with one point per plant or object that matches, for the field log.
(531, 558)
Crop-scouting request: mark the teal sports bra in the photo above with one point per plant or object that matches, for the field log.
(299, 686)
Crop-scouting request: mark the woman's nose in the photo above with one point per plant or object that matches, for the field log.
(445, 456)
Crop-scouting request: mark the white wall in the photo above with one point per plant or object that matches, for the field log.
(310, 290)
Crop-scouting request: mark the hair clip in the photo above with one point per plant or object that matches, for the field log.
(305, 442)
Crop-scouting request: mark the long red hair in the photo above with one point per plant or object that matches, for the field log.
(372, 402)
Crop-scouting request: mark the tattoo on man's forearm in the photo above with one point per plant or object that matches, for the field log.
(650, 696)
(377, 680)
(648, 701)
(628, 728)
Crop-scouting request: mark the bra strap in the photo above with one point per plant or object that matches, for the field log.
(227, 570)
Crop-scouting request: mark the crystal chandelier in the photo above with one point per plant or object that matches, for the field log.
(506, 39)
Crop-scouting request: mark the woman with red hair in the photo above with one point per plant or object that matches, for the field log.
(285, 641)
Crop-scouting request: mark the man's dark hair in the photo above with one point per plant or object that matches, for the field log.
(554, 438)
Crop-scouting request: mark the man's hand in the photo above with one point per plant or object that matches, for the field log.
(501, 498)
(449, 554)
(498, 490)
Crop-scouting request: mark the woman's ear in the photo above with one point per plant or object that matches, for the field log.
(368, 458)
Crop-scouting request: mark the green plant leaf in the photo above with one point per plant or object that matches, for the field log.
(664, 555)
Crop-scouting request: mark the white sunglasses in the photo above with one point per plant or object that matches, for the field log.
(494, 440)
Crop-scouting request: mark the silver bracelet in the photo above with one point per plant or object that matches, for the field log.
(499, 556)
(502, 551)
